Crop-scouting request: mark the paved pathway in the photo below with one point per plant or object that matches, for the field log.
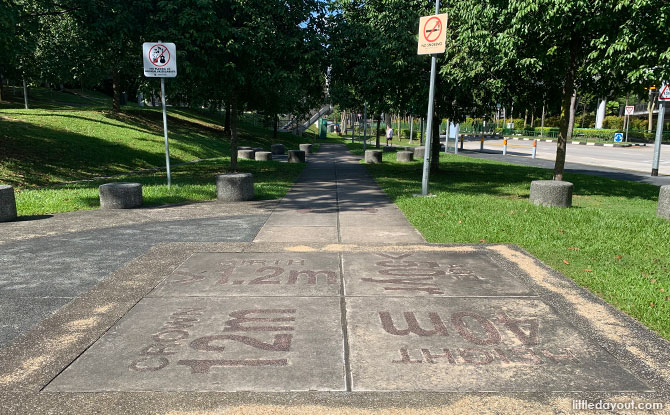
(324, 310)
(335, 200)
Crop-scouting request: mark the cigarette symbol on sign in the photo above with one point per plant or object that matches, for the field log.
(159, 55)
(432, 29)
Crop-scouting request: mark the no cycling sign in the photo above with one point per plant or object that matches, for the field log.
(160, 60)
(432, 34)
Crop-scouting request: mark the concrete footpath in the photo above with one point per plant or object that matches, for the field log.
(325, 302)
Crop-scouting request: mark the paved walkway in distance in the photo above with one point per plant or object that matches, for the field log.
(336, 201)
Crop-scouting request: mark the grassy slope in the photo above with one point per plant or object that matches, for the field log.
(43, 147)
(611, 241)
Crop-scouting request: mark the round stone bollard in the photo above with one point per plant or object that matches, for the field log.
(404, 156)
(373, 156)
(307, 148)
(296, 156)
(257, 149)
(245, 154)
(243, 148)
(7, 203)
(278, 149)
(263, 156)
(234, 187)
(409, 148)
(664, 202)
(120, 195)
(419, 152)
(551, 193)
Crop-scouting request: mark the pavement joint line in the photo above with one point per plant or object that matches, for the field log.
(348, 381)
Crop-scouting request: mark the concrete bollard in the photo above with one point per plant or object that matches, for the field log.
(419, 152)
(244, 148)
(257, 149)
(120, 195)
(481, 143)
(245, 154)
(404, 156)
(534, 148)
(373, 156)
(278, 149)
(551, 193)
(263, 156)
(296, 156)
(7, 203)
(235, 187)
(307, 148)
(504, 147)
(664, 202)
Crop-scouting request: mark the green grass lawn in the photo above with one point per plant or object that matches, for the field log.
(73, 137)
(610, 242)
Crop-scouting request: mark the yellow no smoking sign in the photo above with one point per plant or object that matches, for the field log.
(432, 34)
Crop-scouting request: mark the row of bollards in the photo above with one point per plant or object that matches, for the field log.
(259, 154)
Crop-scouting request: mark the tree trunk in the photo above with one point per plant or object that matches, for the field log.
(650, 109)
(532, 118)
(1, 82)
(275, 126)
(435, 148)
(25, 93)
(525, 120)
(116, 91)
(233, 130)
(567, 121)
(379, 120)
(226, 121)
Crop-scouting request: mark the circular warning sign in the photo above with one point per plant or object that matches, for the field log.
(432, 29)
(159, 55)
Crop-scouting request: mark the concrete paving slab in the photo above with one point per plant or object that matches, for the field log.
(383, 216)
(302, 217)
(394, 234)
(212, 344)
(475, 345)
(435, 274)
(297, 234)
(217, 274)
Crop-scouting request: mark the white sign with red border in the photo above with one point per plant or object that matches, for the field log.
(432, 34)
(665, 93)
(630, 109)
(160, 59)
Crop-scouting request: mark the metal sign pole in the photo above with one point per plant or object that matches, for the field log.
(659, 138)
(365, 127)
(429, 122)
(165, 131)
(627, 122)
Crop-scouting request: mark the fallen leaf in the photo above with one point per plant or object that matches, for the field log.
(667, 298)
(460, 221)
(561, 231)
(573, 248)
(618, 257)
(653, 281)
(482, 241)
(588, 270)
(651, 304)
(644, 274)
(662, 290)
(565, 261)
